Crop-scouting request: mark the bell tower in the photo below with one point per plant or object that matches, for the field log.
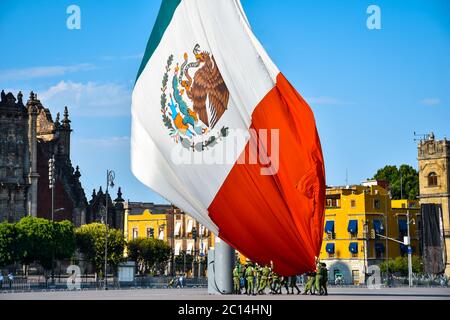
(434, 182)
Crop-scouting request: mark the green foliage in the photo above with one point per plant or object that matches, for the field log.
(42, 241)
(399, 265)
(150, 254)
(409, 180)
(90, 240)
(36, 240)
(8, 244)
(182, 260)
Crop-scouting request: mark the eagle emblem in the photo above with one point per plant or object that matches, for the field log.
(194, 98)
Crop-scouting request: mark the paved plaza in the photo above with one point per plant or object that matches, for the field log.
(202, 294)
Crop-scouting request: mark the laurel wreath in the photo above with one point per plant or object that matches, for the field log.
(185, 142)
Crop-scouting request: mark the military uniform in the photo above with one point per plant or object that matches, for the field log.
(324, 282)
(310, 283)
(258, 271)
(284, 283)
(293, 284)
(265, 273)
(318, 283)
(236, 281)
(275, 282)
(249, 275)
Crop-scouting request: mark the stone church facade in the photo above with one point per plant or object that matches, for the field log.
(434, 181)
(29, 137)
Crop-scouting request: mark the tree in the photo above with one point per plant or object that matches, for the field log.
(90, 240)
(36, 241)
(404, 180)
(44, 241)
(64, 237)
(183, 262)
(150, 254)
(399, 265)
(8, 244)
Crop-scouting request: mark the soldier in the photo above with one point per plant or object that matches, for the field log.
(265, 273)
(293, 284)
(311, 276)
(243, 278)
(275, 283)
(318, 283)
(284, 282)
(258, 271)
(236, 280)
(249, 275)
(324, 272)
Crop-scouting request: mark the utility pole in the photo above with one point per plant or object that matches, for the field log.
(408, 242)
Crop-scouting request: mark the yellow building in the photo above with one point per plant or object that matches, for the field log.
(354, 217)
(170, 224)
(146, 221)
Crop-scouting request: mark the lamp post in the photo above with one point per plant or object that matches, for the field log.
(52, 180)
(110, 176)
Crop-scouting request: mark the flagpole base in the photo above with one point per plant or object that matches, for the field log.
(220, 268)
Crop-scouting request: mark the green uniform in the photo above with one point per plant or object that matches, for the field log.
(258, 271)
(275, 282)
(236, 280)
(265, 273)
(284, 283)
(324, 273)
(310, 283)
(318, 278)
(249, 275)
(293, 284)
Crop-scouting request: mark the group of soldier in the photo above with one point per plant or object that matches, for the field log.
(255, 279)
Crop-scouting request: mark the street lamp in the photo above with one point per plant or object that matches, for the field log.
(110, 176)
(52, 180)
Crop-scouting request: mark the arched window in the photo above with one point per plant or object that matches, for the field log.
(432, 179)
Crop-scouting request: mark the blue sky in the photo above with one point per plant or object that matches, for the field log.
(369, 89)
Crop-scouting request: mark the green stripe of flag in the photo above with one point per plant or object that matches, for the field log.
(165, 15)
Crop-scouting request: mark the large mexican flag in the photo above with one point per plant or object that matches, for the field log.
(218, 131)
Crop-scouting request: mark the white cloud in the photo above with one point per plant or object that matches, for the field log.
(88, 99)
(430, 101)
(326, 101)
(116, 142)
(42, 72)
(125, 57)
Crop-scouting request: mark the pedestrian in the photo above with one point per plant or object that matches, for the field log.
(293, 284)
(236, 280)
(250, 276)
(1, 280)
(11, 279)
(180, 280)
(324, 272)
